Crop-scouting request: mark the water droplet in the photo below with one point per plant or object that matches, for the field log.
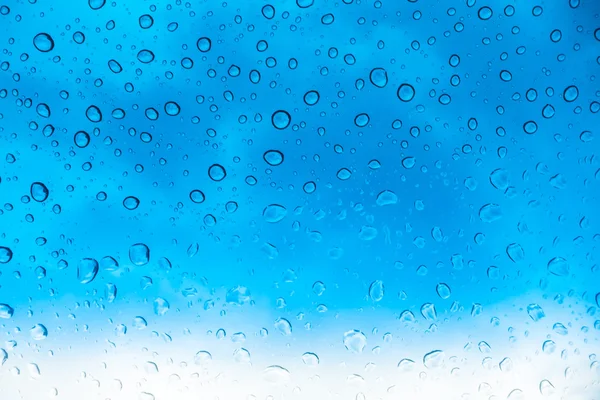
(39, 192)
(378, 77)
(535, 312)
(87, 269)
(43, 42)
(93, 114)
(81, 139)
(239, 295)
(6, 311)
(406, 92)
(311, 97)
(490, 212)
(197, 196)
(367, 232)
(139, 254)
(274, 213)
(515, 252)
(204, 44)
(428, 311)
(355, 341)
(443, 290)
(434, 359)
(161, 306)
(96, 4)
(276, 375)
(203, 358)
(376, 290)
(499, 179)
(6, 255)
(571, 93)
(38, 332)
(344, 174)
(283, 326)
(558, 266)
(281, 119)
(549, 347)
(131, 202)
(386, 197)
(485, 13)
(216, 172)
(145, 56)
(273, 157)
(362, 120)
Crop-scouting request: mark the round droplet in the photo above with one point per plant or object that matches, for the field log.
(485, 13)
(131, 202)
(548, 111)
(274, 213)
(355, 341)
(145, 56)
(204, 44)
(96, 4)
(406, 92)
(216, 172)
(43, 42)
(273, 157)
(268, 11)
(87, 269)
(146, 21)
(361, 120)
(281, 119)
(311, 97)
(172, 108)
(309, 187)
(556, 35)
(344, 174)
(93, 113)
(378, 77)
(6, 255)
(197, 196)
(408, 162)
(81, 139)
(530, 127)
(571, 93)
(139, 254)
(39, 192)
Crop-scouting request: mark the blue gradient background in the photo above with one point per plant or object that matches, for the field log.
(86, 355)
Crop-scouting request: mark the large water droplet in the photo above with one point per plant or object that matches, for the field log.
(43, 42)
(376, 290)
(274, 213)
(434, 359)
(39, 191)
(355, 341)
(139, 254)
(6, 311)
